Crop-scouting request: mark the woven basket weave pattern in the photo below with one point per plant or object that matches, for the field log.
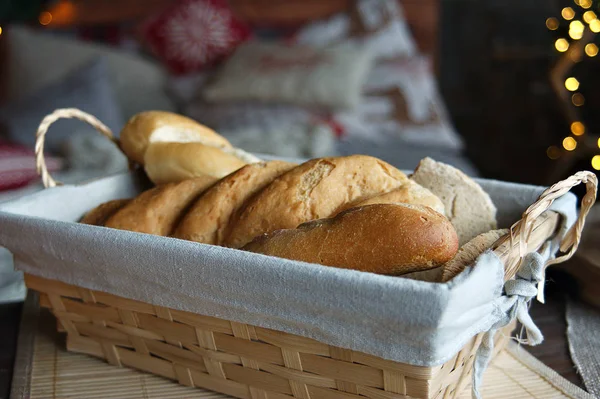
(237, 359)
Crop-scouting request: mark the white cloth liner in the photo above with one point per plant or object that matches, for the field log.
(404, 320)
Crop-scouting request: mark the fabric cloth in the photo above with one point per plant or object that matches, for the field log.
(583, 332)
(87, 88)
(194, 34)
(329, 78)
(345, 308)
(401, 100)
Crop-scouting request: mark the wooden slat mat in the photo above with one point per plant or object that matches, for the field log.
(56, 373)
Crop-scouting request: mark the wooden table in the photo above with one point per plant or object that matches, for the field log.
(550, 317)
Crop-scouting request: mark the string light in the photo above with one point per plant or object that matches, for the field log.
(576, 26)
(45, 18)
(0, 30)
(598, 142)
(595, 26)
(561, 45)
(572, 84)
(591, 49)
(567, 13)
(596, 162)
(552, 23)
(575, 35)
(585, 3)
(578, 99)
(577, 128)
(553, 152)
(569, 143)
(589, 16)
(576, 29)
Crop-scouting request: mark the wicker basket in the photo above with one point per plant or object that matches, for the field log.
(246, 361)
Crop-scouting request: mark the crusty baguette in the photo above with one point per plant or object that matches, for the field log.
(410, 193)
(316, 189)
(468, 253)
(157, 211)
(151, 126)
(207, 219)
(100, 214)
(174, 162)
(382, 238)
(467, 205)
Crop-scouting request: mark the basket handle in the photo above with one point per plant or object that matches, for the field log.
(68, 113)
(524, 227)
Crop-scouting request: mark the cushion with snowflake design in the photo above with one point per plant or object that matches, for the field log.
(194, 34)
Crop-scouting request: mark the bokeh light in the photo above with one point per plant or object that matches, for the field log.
(578, 99)
(561, 45)
(572, 84)
(567, 13)
(553, 152)
(577, 128)
(596, 162)
(569, 143)
(45, 18)
(552, 23)
(591, 49)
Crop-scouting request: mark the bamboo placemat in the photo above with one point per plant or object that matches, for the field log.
(57, 374)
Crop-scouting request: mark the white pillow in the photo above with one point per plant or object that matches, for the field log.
(329, 77)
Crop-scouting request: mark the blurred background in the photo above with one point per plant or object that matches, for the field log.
(503, 89)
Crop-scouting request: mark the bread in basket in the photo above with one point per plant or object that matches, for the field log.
(256, 326)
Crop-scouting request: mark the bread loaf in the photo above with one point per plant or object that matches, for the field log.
(410, 193)
(151, 126)
(207, 220)
(158, 210)
(468, 253)
(173, 148)
(100, 214)
(469, 208)
(316, 189)
(382, 238)
(174, 162)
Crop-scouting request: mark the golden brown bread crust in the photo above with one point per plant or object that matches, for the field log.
(382, 238)
(174, 162)
(409, 193)
(135, 136)
(316, 189)
(157, 211)
(100, 214)
(207, 220)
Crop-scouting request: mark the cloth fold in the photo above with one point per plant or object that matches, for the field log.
(519, 293)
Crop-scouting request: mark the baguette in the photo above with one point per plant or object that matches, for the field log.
(151, 126)
(316, 189)
(469, 208)
(100, 214)
(174, 162)
(157, 211)
(388, 239)
(208, 218)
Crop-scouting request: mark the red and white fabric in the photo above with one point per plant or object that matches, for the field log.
(17, 166)
(194, 34)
